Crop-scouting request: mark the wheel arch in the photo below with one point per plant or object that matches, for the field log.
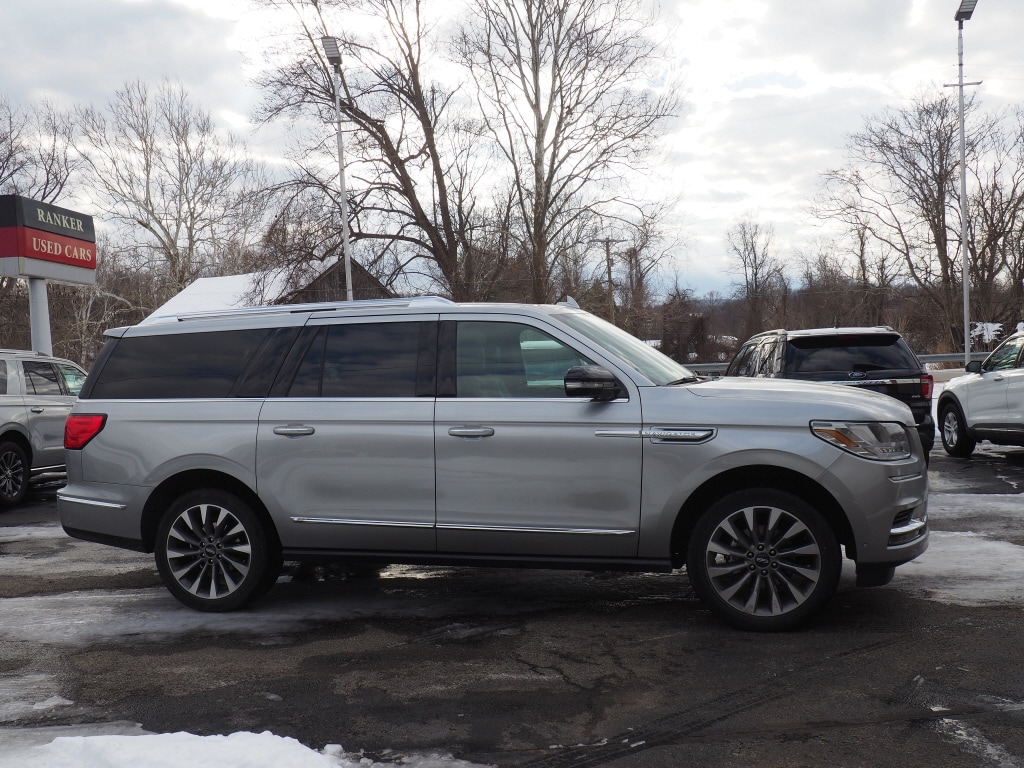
(948, 397)
(190, 480)
(11, 435)
(762, 476)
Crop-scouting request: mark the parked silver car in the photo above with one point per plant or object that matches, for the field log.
(36, 394)
(423, 431)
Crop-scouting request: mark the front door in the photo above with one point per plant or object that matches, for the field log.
(522, 470)
(990, 395)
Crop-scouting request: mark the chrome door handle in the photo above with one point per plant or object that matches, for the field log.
(294, 430)
(37, 409)
(470, 431)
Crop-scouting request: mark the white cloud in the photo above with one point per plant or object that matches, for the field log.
(773, 88)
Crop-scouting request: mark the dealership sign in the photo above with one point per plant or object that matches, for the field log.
(44, 241)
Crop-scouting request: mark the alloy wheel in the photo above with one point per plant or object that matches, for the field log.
(209, 552)
(763, 561)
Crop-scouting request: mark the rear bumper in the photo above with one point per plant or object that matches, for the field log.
(98, 513)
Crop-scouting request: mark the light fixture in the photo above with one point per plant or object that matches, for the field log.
(963, 13)
(333, 53)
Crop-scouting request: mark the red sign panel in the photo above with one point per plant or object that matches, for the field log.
(37, 244)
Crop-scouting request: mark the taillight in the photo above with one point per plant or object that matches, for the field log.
(80, 428)
(927, 385)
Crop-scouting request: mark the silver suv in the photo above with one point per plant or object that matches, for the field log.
(36, 394)
(423, 431)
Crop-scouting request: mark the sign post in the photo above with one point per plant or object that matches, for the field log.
(40, 242)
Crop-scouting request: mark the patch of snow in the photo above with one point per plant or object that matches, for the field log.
(173, 750)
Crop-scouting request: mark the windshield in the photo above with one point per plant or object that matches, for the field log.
(657, 367)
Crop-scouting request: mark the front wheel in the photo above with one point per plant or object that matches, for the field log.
(13, 473)
(763, 559)
(213, 552)
(955, 439)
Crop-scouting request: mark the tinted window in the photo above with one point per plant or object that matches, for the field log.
(361, 360)
(3, 377)
(42, 378)
(867, 352)
(177, 365)
(511, 360)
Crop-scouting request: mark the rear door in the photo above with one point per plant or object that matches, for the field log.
(522, 470)
(345, 447)
(48, 405)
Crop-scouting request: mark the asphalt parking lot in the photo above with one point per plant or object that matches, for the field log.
(537, 668)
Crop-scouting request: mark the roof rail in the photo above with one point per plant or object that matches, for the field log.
(284, 309)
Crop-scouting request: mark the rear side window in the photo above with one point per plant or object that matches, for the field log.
(365, 360)
(185, 365)
(866, 352)
(3, 377)
(42, 378)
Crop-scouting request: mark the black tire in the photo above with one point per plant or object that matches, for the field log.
(14, 470)
(763, 559)
(953, 429)
(213, 552)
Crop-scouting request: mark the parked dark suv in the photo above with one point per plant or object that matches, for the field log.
(875, 359)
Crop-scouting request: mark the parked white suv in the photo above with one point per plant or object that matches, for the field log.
(423, 431)
(987, 403)
(36, 394)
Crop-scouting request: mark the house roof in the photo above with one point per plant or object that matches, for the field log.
(229, 292)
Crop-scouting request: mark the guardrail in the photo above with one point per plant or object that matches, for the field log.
(717, 369)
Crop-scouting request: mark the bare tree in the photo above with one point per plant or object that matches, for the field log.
(36, 161)
(413, 192)
(560, 85)
(996, 223)
(901, 183)
(36, 157)
(186, 197)
(762, 286)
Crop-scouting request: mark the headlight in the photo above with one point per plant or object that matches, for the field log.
(875, 440)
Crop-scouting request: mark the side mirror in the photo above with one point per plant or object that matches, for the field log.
(974, 366)
(592, 381)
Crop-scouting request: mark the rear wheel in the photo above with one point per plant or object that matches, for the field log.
(213, 552)
(13, 473)
(763, 559)
(955, 439)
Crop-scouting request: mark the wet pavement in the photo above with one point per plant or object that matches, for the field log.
(519, 668)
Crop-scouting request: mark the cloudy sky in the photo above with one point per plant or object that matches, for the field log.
(773, 88)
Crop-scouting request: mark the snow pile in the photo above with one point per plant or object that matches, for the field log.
(173, 750)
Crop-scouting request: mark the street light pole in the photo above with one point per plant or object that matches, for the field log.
(333, 54)
(963, 14)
